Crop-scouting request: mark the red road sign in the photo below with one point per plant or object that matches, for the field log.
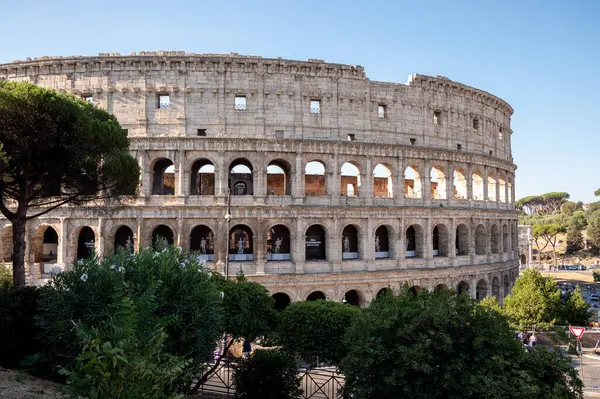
(577, 331)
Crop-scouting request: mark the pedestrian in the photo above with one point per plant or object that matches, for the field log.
(246, 349)
(532, 340)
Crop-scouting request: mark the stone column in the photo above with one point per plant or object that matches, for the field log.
(450, 181)
(100, 240)
(472, 240)
(469, 181)
(452, 243)
(426, 182)
(428, 244)
(64, 241)
(369, 246)
(181, 237)
(221, 179)
(400, 252)
(298, 189)
(485, 183)
(498, 187)
(259, 247)
(398, 183)
(473, 287)
(333, 247)
(299, 249)
(138, 245)
(145, 183)
(180, 173)
(367, 181)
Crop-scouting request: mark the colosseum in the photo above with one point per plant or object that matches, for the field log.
(307, 176)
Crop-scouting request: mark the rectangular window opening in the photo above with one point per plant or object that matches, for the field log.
(201, 132)
(475, 123)
(240, 103)
(413, 141)
(278, 134)
(164, 101)
(381, 111)
(437, 118)
(88, 98)
(315, 106)
(350, 137)
(459, 147)
(491, 152)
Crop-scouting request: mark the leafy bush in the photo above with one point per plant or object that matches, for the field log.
(181, 293)
(268, 374)
(6, 277)
(18, 308)
(596, 276)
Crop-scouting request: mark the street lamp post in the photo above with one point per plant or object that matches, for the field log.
(228, 219)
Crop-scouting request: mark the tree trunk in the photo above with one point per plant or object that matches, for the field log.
(18, 225)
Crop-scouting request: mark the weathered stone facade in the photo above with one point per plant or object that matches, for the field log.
(429, 160)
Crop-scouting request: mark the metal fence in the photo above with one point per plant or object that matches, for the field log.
(318, 383)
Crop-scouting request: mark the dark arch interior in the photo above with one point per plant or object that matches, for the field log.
(384, 292)
(162, 233)
(352, 298)
(50, 236)
(202, 240)
(350, 239)
(85, 243)
(240, 183)
(315, 243)
(279, 184)
(240, 240)
(278, 243)
(317, 295)
(202, 183)
(411, 241)
(50, 245)
(124, 238)
(436, 238)
(440, 287)
(382, 241)
(163, 183)
(282, 301)
(462, 287)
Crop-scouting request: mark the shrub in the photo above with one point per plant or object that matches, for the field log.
(268, 374)
(6, 277)
(18, 308)
(185, 303)
(596, 276)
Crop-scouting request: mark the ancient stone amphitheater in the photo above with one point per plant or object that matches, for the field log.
(307, 176)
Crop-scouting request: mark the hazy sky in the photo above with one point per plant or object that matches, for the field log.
(540, 56)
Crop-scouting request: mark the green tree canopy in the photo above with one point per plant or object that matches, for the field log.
(58, 150)
(542, 204)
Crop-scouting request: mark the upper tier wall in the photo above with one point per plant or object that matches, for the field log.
(427, 111)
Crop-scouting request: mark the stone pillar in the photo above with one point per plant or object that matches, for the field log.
(64, 241)
(259, 178)
(333, 247)
(485, 183)
(367, 185)
(472, 239)
(400, 252)
(298, 188)
(221, 179)
(398, 183)
(452, 243)
(450, 181)
(299, 249)
(498, 187)
(221, 245)
(145, 175)
(180, 173)
(259, 247)
(138, 245)
(100, 240)
(428, 244)
(473, 288)
(369, 245)
(426, 182)
(181, 237)
(469, 180)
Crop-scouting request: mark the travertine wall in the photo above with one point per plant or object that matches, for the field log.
(428, 123)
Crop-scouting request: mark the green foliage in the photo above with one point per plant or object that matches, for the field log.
(268, 374)
(444, 345)
(491, 303)
(18, 308)
(6, 277)
(185, 299)
(597, 193)
(315, 329)
(535, 301)
(568, 208)
(596, 276)
(574, 239)
(593, 229)
(542, 204)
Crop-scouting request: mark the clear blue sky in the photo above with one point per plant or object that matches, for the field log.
(540, 56)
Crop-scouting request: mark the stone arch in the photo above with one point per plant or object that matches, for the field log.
(123, 238)
(162, 233)
(202, 180)
(163, 177)
(460, 184)
(496, 287)
(510, 191)
(315, 243)
(46, 244)
(462, 240)
(278, 244)
(412, 182)
(315, 183)
(440, 287)
(414, 241)
(316, 296)
(477, 185)
(491, 178)
(481, 289)
(441, 239)
(502, 184)
(523, 259)
(354, 297)
(382, 242)
(350, 242)
(241, 174)
(414, 290)
(241, 243)
(202, 240)
(463, 286)
(437, 182)
(384, 292)
(383, 181)
(85, 242)
(504, 238)
(350, 179)
(480, 240)
(281, 301)
(495, 239)
(506, 283)
(279, 181)
(6, 242)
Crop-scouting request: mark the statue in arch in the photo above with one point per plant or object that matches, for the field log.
(346, 244)
(203, 246)
(241, 245)
(377, 244)
(278, 243)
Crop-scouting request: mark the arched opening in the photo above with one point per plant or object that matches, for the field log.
(491, 187)
(523, 259)
(85, 243)
(412, 182)
(278, 178)
(481, 291)
(349, 243)
(281, 300)
(504, 238)
(509, 194)
(440, 240)
(414, 290)
(123, 239)
(349, 179)
(462, 240)
(352, 297)
(278, 243)
(202, 180)
(315, 243)
(163, 177)
(496, 287)
(50, 245)
(202, 240)
(460, 184)
(414, 241)
(477, 182)
(162, 235)
(314, 179)
(480, 247)
(382, 243)
(7, 244)
(506, 285)
(386, 291)
(240, 177)
(463, 286)
(316, 296)
(438, 183)
(440, 287)
(502, 183)
(240, 243)
(495, 239)
(382, 181)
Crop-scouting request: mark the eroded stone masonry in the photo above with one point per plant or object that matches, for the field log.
(341, 187)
